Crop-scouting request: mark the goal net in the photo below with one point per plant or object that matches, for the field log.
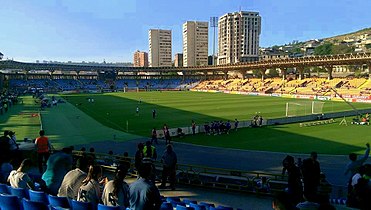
(304, 108)
(294, 109)
(317, 107)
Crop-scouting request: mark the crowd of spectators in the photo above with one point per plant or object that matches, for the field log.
(7, 100)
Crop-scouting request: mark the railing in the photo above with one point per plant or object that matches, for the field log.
(208, 177)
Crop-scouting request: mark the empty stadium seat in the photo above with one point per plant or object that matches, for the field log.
(77, 205)
(56, 201)
(103, 207)
(176, 203)
(207, 205)
(4, 189)
(34, 205)
(20, 192)
(9, 202)
(38, 196)
(168, 199)
(166, 206)
(197, 207)
(187, 201)
(179, 207)
(224, 208)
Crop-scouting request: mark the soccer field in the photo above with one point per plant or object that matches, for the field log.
(118, 111)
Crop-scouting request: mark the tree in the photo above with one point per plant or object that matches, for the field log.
(325, 49)
(273, 73)
(342, 49)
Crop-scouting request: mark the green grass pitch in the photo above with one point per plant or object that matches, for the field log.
(118, 111)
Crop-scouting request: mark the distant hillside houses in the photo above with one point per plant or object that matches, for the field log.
(356, 42)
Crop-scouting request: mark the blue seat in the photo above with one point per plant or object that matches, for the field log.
(176, 203)
(187, 201)
(38, 196)
(197, 207)
(206, 204)
(9, 202)
(56, 201)
(103, 207)
(179, 207)
(4, 189)
(224, 208)
(168, 199)
(34, 205)
(20, 192)
(77, 205)
(166, 206)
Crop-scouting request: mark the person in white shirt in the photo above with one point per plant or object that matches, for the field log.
(72, 181)
(116, 192)
(19, 178)
(90, 190)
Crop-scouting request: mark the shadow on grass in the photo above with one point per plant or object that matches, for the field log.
(120, 113)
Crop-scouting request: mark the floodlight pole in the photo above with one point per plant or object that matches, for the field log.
(213, 24)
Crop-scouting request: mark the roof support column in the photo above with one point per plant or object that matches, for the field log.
(225, 75)
(284, 73)
(300, 69)
(243, 73)
(263, 74)
(329, 72)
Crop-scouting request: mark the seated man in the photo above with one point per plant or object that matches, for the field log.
(180, 132)
(19, 178)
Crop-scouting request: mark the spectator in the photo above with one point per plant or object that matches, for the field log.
(91, 156)
(169, 161)
(109, 159)
(57, 167)
(193, 127)
(43, 148)
(116, 192)
(5, 169)
(294, 185)
(281, 201)
(236, 124)
(73, 179)
(309, 203)
(262, 185)
(4, 146)
(154, 136)
(354, 165)
(166, 134)
(311, 174)
(149, 151)
(154, 113)
(139, 155)
(125, 161)
(144, 194)
(19, 178)
(180, 132)
(89, 191)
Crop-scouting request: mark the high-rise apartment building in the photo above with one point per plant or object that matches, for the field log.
(195, 43)
(159, 47)
(140, 59)
(178, 60)
(238, 37)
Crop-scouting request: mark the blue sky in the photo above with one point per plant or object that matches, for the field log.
(111, 30)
